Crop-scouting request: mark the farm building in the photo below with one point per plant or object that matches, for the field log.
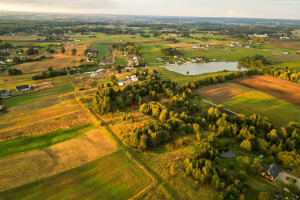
(121, 82)
(134, 78)
(23, 88)
(271, 172)
(5, 93)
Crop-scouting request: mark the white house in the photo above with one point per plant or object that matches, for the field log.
(134, 78)
(121, 82)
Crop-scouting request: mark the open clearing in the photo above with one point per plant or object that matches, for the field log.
(112, 177)
(34, 165)
(285, 90)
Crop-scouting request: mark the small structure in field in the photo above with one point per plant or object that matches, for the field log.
(121, 82)
(285, 52)
(134, 78)
(23, 88)
(271, 172)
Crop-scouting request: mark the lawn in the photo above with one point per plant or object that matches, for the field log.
(33, 96)
(102, 50)
(29, 143)
(111, 177)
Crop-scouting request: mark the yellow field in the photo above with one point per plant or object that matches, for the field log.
(34, 165)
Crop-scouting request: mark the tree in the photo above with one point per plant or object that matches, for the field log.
(73, 51)
(246, 145)
(62, 49)
(30, 51)
(113, 79)
(164, 115)
(50, 69)
(264, 196)
(16, 59)
(172, 170)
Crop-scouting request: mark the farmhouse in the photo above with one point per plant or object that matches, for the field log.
(285, 52)
(23, 88)
(271, 172)
(134, 78)
(172, 35)
(3, 92)
(121, 82)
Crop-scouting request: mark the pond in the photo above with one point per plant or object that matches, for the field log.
(201, 68)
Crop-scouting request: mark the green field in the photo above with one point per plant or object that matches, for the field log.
(33, 96)
(111, 177)
(120, 61)
(279, 112)
(102, 50)
(19, 145)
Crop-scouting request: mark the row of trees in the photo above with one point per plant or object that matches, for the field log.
(49, 74)
(170, 51)
(130, 47)
(14, 71)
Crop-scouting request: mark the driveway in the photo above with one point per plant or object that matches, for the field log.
(283, 175)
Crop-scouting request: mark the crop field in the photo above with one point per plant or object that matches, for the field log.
(21, 38)
(42, 112)
(285, 90)
(284, 45)
(58, 61)
(109, 39)
(23, 144)
(249, 101)
(113, 176)
(34, 165)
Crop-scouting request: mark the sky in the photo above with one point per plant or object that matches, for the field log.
(279, 9)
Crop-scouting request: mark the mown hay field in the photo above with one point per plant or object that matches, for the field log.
(33, 142)
(41, 112)
(37, 164)
(112, 177)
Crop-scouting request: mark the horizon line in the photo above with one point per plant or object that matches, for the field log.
(137, 15)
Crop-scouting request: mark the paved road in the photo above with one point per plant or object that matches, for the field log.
(283, 175)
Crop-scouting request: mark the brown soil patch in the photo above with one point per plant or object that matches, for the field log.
(58, 61)
(220, 93)
(42, 85)
(285, 90)
(280, 44)
(34, 165)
